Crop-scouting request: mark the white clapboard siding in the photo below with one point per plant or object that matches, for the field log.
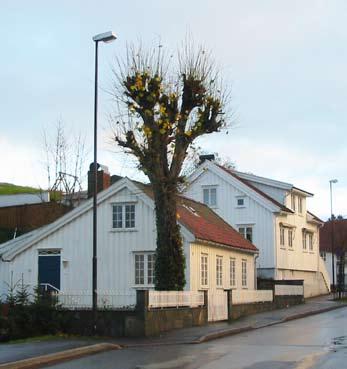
(251, 296)
(253, 214)
(288, 290)
(161, 299)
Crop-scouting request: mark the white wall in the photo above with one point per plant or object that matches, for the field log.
(197, 249)
(115, 250)
(253, 214)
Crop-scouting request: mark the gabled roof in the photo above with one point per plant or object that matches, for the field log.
(263, 194)
(314, 218)
(204, 223)
(197, 218)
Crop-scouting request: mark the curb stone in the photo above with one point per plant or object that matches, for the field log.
(61, 356)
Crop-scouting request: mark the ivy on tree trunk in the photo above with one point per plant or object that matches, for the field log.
(161, 114)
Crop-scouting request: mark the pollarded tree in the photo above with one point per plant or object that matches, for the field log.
(162, 110)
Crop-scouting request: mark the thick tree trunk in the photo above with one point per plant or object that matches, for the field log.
(170, 262)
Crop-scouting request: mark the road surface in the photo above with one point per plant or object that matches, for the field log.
(318, 342)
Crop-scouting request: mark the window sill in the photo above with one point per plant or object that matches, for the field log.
(283, 248)
(305, 251)
(143, 286)
(205, 288)
(116, 230)
(290, 249)
(240, 207)
(245, 288)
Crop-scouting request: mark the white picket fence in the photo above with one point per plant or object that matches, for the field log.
(288, 290)
(250, 296)
(161, 299)
(74, 300)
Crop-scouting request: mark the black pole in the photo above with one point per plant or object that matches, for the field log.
(332, 237)
(95, 190)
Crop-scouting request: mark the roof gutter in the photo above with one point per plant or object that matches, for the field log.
(226, 246)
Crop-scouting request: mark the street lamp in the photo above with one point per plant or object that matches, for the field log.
(332, 231)
(102, 37)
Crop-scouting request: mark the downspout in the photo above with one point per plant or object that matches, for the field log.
(256, 256)
(275, 246)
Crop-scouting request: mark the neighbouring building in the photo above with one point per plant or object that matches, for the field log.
(340, 248)
(59, 255)
(272, 215)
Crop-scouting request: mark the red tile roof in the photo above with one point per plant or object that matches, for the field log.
(205, 224)
(247, 183)
(340, 236)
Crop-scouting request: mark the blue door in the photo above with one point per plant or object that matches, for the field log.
(49, 270)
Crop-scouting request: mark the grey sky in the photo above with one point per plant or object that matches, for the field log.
(285, 60)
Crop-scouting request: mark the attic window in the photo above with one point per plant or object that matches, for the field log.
(240, 201)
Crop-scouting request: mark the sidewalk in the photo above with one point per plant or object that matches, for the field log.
(20, 351)
(221, 329)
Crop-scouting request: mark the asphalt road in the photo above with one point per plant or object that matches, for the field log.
(318, 342)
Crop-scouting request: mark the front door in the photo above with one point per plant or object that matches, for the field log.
(49, 269)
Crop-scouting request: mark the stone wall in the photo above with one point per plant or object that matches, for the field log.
(134, 323)
(279, 302)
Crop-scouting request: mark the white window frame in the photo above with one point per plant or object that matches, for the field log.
(219, 271)
(208, 202)
(304, 240)
(300, 202)
(147, 261)
(293, 202)
(244, 199)
(232, 266)
(244, 273)
(282, 236)
(310, 241)
(243, 230)
(290, 238)
(124, 206)
(204, 270)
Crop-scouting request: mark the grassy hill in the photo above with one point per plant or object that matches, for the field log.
(11, 189)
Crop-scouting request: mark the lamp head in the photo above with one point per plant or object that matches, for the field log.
(105, 37)
(333, 181)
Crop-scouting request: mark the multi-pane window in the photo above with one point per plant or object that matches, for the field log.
(310, 241)
(304, 244)
(130, 216)
(247, 232)
(219, 271)
(204, 270)
(123, 216)
(150, 268)
(293, 200)
(282, 232)
(240, 202)
(210, 196)
(290, 237)
(144, 269)
(244, 273)
(300, 204)
(117, 215)
(232, 272)
(139, 269)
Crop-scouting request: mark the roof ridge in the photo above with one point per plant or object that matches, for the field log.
(254, 188)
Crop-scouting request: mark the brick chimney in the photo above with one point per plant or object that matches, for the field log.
(104, 178)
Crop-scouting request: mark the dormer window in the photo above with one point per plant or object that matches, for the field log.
(293, 200)
(210, 196)
(300, 204)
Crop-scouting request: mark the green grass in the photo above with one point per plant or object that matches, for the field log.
(11, 189)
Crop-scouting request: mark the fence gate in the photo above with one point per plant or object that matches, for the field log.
(217, 305)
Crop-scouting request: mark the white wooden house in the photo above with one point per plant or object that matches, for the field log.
(272, 215)
(59, 255)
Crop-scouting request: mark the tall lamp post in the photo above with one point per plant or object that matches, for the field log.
(102, 37)
(332, 231)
